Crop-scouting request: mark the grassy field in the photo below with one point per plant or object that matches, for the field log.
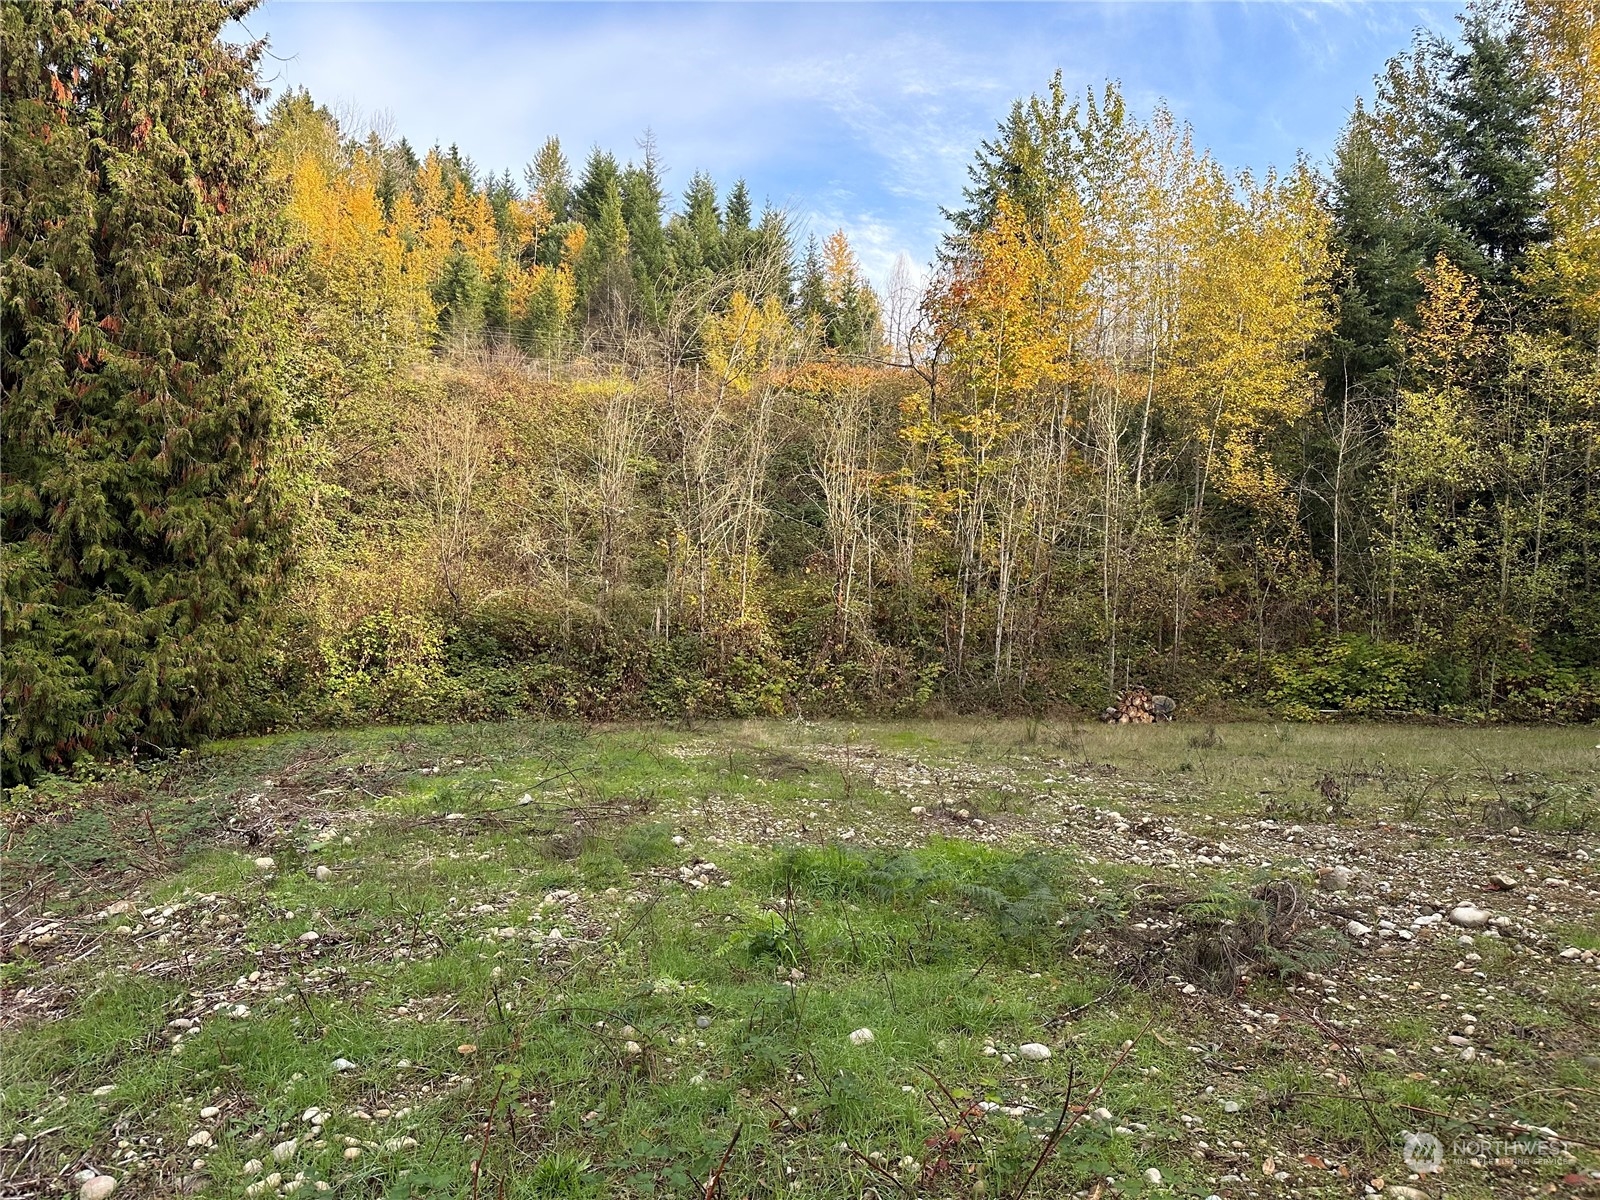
(957, 958)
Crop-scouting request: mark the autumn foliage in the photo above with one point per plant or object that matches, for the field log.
(554, 445)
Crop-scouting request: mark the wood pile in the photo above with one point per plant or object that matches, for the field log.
(1137, 706)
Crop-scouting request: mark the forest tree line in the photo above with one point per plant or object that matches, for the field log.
(305, 427)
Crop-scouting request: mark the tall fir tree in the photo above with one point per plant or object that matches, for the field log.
(1487, 172)
(738, 235)
(811, 292)
(642, 200)
(694, 235)
(601, 273)
(461, 296)
(140, 253)
(774, 256)
(601, 177)
(1380, 248)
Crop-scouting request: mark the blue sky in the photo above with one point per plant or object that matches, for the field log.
(855, 116)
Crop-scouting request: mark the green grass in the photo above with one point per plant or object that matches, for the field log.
(689, 1021)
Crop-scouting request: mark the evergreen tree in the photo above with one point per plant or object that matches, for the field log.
(1380, 245)
(1487, 173)
(601, 273)
(501, 193)
(497, 302)
(647, 240)
(461, 295)
(141, 526)
(694, 236)
(738, 238)
(811, 293)
(774, 256)
(601, 178)
(459, 168)
(1030, 161)
(549, 180)
(739, 211)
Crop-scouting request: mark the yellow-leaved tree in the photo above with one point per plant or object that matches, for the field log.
(1253, 300)
(1565, 41)
(1434, 457)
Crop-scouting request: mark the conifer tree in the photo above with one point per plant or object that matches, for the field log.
(1379, 243)
(601, 176)
(695, 235)
(773, 255)
(141, 527)
(1487, 173)
(601, 271)
(460, 295)
(549, 181)
(647, 240)
(738, 237)
(811, 293)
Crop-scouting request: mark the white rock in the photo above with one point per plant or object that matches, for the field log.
(1152, 1176)
(324, 873)
(97, 1188)
(284, 1151)
(253, 1167)
(1230, 1106)
(862, 1037)
(1357, 929)
(201, 1138)
(105, 1089)
(1103, 1115)
(1034, 1051)
(309, 936)
(210, 1112)
(1469, 916)
(265, 863)
(1569, 953)
(343, 1064)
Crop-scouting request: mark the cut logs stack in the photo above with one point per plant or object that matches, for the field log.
(1137, 706)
